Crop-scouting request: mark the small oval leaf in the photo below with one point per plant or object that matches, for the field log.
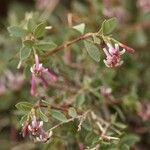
(58, 115)
(80, 99)
(25, 52)
(92, 50)
(72, 112)
(17, 31)
(39, 30)
(42, 116)
(24, 106)
(45, 46)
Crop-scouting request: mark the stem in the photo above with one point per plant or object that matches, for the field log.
(69, 120)
(67, 44)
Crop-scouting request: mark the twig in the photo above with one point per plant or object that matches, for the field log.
(67, 44)
(69, 120)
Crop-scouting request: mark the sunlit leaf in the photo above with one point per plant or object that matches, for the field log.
(80, 28)
(92, 50)
(17, 31)
(58, 115)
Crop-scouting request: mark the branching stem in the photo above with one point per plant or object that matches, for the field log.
(67, 44)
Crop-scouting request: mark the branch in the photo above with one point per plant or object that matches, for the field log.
(67, 44)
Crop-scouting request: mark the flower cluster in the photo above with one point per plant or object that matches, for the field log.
(39, 73)
(144, 111)
(36, 130)
(113, 54)
(11, 81)
(111, 10)
(144, 5)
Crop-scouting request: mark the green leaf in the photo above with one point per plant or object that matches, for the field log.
(125, 147)
(108, 26)
(24, 106)
(17, 31)
(58, 115)
(91, 138)
(39, 30)
(72, 112)
(129, 140)
(28, 43)
(80, 99)
(87, 125)
(31, 25)
(45, 46)
(80, 28)
(25, 52)
(42, 116)
(92, 50)
(23, 119)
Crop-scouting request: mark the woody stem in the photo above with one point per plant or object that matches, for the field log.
(67, 44)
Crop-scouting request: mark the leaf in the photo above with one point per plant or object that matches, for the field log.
(91, 138)
(92, 50)
(108, 26)
(87, 125)
(23, 119)
(129, 140)
(80, 28)
(125, 147)
(58, 115)
(31, 25)
(42, 116)
(72, 112)
(25, 52)
(39, 30)
(80, 99)
(28, 43)
(46, 46)
(24, 106)
(17, 31)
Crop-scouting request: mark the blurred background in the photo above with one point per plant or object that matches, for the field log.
(130, 84)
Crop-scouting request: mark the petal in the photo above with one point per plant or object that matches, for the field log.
(52, 75)
(37, 61)
(44, 81)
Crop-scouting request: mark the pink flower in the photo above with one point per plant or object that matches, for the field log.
(144, 5)
(2, 86)
(35, 126)
(113, 55)
(25, 129)
(39, 72)
(14, 81)
(37, 131)
(127, 48)
(144, 111)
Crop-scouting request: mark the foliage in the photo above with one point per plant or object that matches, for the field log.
(64, 81)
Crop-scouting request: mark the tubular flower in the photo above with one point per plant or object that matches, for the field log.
(40, 73)
(36, 130)
(113, 54)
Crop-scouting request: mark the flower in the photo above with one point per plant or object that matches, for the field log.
(144, 111)
(36, 130)
(35, 126)
(144, 5)
(2, 86)
(14, 80)
(113, 54)
(25, 129)
(39, 72)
